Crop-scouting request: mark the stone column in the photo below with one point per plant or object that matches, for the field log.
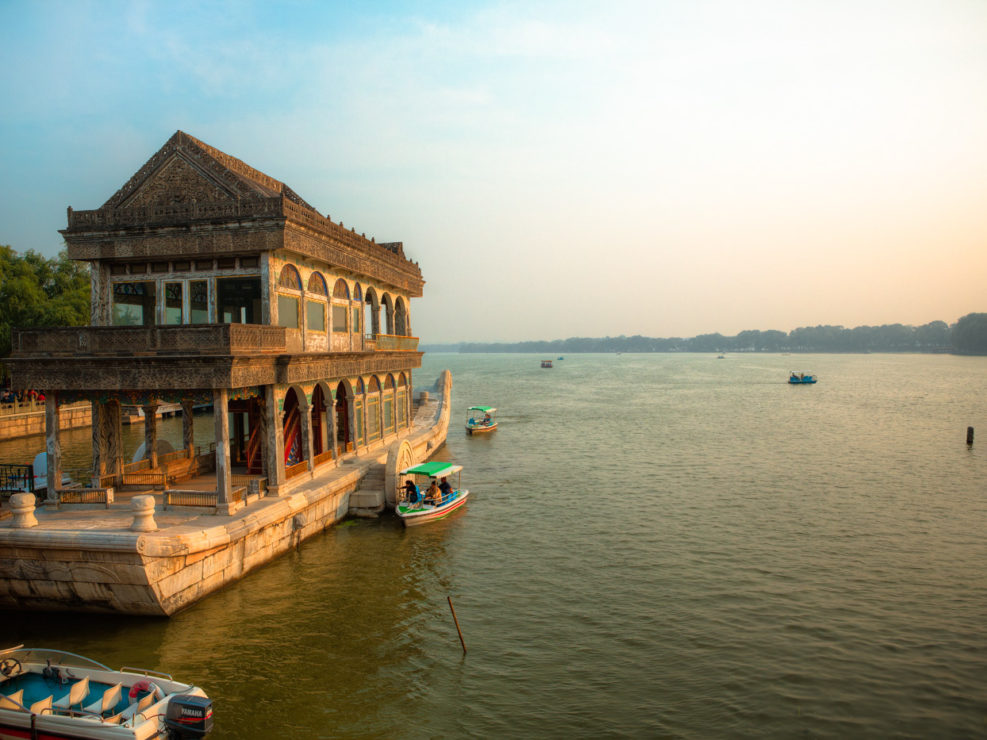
(220, 406)
(114, 426)
(188, 429)
(53, 446)
(273, 442)
(151, 433)
(331, 424)
(100, 432)
(305, 412)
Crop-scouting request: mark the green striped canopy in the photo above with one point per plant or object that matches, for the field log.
(432, 469)
(484, 409)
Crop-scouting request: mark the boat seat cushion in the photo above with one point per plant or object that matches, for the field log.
(40, 707)
(76, 695)
(14, 701)
(106, 702)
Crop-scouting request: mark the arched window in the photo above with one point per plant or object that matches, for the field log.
(371, 313)
(317, 284)
(373, 409)
(340, 304)
(400, 318)
(290, 278)
(387, 402)
(315, 303)
(289, 296)
(401, 400)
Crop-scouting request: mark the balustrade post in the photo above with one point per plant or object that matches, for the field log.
(143, 508)
(22, 507)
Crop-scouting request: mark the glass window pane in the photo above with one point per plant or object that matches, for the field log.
(373, 419)
(173, 303)
(287, 311)
(339, 318)
(358, 412)
(356, 319)
(315, 315)
(133, 304)
(389, 414)
(238, 300)
(198, 302)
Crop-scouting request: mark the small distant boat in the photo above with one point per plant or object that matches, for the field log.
(801, 379)
(479, 419)
(721, 357)
(561, 358)
(546, 363)
(417, 507)
(48, 693)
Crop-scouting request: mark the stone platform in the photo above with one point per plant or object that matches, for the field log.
(87, 557)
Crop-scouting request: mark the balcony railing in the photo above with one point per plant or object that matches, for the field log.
(392, 342)
(204, 339)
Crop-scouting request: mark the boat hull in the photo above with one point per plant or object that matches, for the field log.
(413, 517)
(480, 429)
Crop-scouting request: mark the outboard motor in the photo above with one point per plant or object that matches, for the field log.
(188, 716)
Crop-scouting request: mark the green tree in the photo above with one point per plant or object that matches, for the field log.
(38, 291)
(969, 334)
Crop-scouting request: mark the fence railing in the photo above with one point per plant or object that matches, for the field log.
(293, 470)
(32, 407)
(322, 457)
(174, 497)
(85, 496)
(251, 483)
(151, 478)
(16, 478)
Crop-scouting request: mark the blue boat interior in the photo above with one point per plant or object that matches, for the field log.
(37, 688)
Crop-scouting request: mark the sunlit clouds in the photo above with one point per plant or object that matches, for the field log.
(659, 168)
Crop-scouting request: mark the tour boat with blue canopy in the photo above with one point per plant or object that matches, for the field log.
(48, 694)
(801, 379)
(417, 506)
(480, 419)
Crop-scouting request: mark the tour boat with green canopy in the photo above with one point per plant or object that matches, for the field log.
(419, 503)
(479, 419)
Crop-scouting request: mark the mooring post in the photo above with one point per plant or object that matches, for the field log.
(454, 619)
(969, 435)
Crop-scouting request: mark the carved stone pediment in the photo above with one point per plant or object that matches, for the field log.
(178, 182)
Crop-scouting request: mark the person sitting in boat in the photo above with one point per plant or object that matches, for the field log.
(433, 495)
(486, 422)
(445, 488)
(410, 491)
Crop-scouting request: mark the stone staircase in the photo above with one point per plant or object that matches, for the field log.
(368, 498)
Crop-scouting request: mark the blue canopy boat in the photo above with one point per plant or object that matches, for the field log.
(801, 379)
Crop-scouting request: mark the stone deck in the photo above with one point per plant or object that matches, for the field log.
(87, 558)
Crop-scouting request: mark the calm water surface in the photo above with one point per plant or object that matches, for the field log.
(655, 546)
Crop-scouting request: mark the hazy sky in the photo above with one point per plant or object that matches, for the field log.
(558, 169)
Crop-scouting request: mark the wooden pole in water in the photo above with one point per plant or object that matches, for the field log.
(969, 435)
(462, 642)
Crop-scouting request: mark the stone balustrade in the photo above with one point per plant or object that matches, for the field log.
(203, 339)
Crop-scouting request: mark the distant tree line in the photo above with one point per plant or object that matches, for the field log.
(966, 336)
(38, 291)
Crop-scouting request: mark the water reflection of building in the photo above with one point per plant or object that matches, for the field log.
(214, 284)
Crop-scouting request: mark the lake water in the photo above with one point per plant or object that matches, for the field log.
(654, 546)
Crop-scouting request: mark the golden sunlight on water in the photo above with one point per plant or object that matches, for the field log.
(655, 545)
